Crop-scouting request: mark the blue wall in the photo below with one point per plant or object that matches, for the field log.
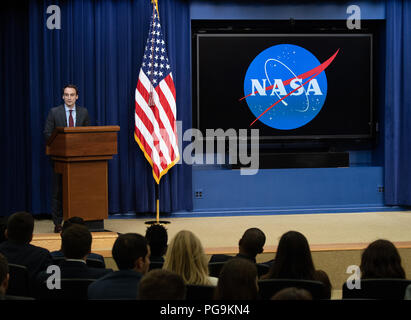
(357, 188)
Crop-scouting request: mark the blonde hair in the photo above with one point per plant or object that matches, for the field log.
(185, 256)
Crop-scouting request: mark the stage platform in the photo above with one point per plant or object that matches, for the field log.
(336, 239)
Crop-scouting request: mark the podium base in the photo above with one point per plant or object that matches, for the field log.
(155, 222)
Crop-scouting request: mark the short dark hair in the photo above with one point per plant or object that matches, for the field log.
(160, 284)
(157, 239)
(4, 268)
(20, 226)
(127, 249)
(237, 281)
(73, 220)
(71, 86)
(252, 241)
(76, 242)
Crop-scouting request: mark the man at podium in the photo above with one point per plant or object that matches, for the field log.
(67, 115)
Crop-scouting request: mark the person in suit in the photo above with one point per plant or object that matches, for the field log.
(76, 245)
(58, 254)
(17, 248)
(67, 115)
(132, 256)
(251, 243)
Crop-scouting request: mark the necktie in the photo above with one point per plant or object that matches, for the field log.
(71, 121)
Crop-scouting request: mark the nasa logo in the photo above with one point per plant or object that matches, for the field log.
(286, 86)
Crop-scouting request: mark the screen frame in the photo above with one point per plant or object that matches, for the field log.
(279, 138)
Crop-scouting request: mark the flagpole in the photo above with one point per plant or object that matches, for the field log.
(157, 221)
(157, 74)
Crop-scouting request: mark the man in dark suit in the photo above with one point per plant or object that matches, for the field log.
(76, 245)
(132, 255)
(67, 115)
(251, 243)
(18, 250)
(58, 255)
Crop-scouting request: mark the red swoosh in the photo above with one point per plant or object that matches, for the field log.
(305, 75)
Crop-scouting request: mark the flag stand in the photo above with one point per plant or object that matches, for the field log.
(157, 221)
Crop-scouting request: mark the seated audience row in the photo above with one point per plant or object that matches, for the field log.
(185, 263)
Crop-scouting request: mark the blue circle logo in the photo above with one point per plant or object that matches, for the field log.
(285, 86)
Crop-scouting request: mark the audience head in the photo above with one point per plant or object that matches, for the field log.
(160, 284)
(20, 226)
(157, 238)
(381, 260)
(185, 256)
(292, 294)
(237, 280)
(3, 227)
(293, 259)
(252, 242)
(4, 275)
(131, 252)
(73, 220)
(76, 242)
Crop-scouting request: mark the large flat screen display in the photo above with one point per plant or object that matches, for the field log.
(289, 86)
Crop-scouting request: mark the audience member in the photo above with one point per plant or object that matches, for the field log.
(185, 256)
(294, 261)
(76, 245)
(69, 222)
(160, 284)
(4, 276)
(132, 256)
(237, 281)
(157, 239)
(18, 250)
(381, 260)
(251, 243)
(3, 226)
(292, 294)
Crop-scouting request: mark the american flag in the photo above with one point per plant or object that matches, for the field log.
(155, 104)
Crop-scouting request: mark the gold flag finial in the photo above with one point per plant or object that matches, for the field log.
(156, 4)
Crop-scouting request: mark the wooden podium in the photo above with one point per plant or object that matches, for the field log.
(80, 154)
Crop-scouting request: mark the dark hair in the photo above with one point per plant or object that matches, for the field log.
(293, 259)
(20, 227)
(157, 238)
(237, 281)
(71, 86)
(381, 260)
(73, 220)
(292, 294)
(76, 242)
(4, 267)
(160, 284)
(252, 242)
(127, 249)
(3, 227)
